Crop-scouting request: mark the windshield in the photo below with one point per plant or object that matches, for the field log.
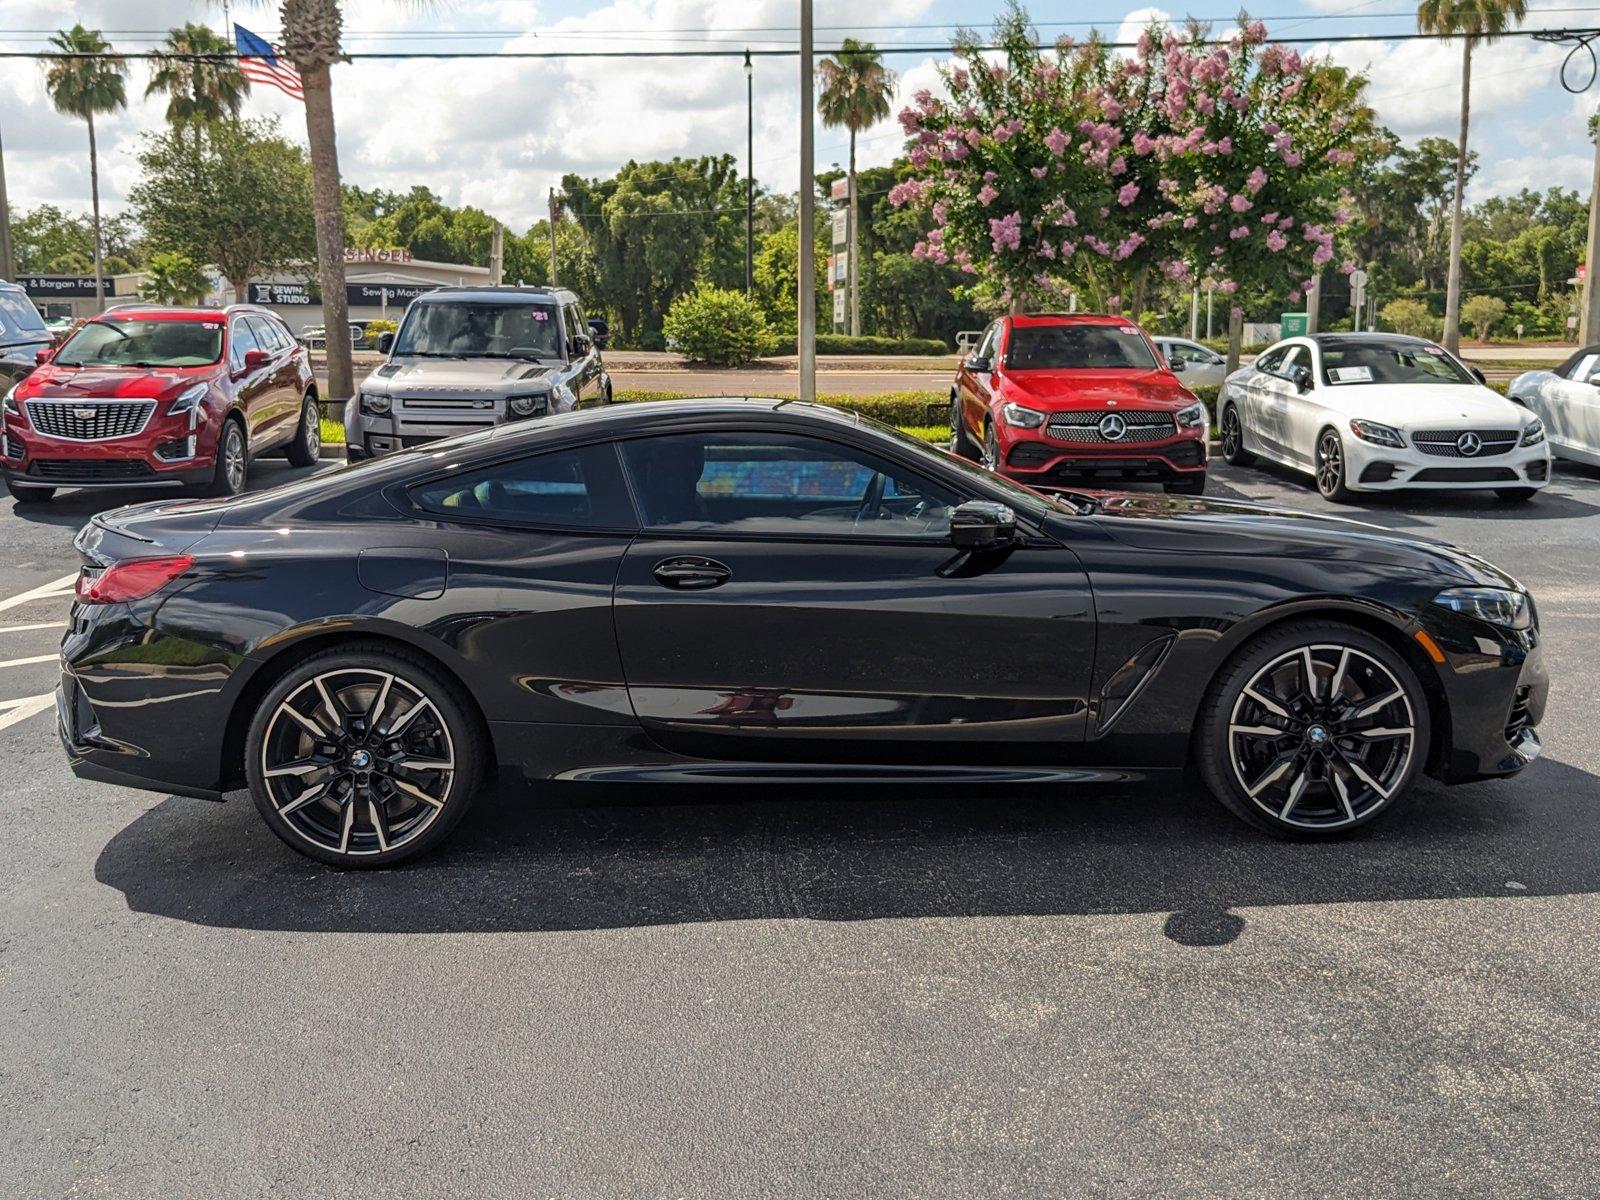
(1079, 348)
(143, 344)
(20, 320)
(1413, 362)
(473, 329)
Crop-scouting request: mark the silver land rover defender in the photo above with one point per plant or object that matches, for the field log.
(468, 358)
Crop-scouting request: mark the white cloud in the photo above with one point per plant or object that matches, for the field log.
(1536, 172)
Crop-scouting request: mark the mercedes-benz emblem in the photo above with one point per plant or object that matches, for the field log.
(1112, 427)
(1469, 444)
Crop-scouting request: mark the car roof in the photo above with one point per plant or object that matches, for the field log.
(498, 294)
(1365, 339)
(171, 312)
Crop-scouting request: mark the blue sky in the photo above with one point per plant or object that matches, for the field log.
(498, 134)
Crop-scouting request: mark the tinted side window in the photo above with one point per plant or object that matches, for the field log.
(266, 337)
(581, 487)
(781, 483)
(241, 340)
(1271, 361)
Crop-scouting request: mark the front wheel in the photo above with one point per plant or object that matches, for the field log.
(306, 448)
(363, 758)
(1233, 451)
(1331, 468)
(1516, 495)
(29, 495)
(232, 461)
(991, 447)
(1313, 729)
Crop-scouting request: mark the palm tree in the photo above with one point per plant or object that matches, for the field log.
(1478, 20)
(198, 89)
(853, 90)
(92, 81)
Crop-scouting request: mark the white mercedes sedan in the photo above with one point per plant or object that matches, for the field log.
(1567, 400)
(1378, 412)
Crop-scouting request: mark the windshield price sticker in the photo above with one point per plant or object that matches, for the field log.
(1350, 374)
(540, 314)
(1130, 330)
(1432, 350)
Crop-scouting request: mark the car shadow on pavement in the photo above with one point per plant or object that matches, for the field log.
(594, 858)
(71, 508)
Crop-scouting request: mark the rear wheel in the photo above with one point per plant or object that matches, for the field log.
(363, 758)
(233, 461)
(1516, 495)
(1233, 451)
(306, 448)
(1313, 729)
(29, 495)
(1330, 468)
(960, 440)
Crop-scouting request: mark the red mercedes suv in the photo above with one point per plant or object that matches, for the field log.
(152, 397)
(1058, 399)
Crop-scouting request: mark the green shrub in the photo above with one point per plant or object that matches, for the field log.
(838, 343)
(716, 325)
(1481, 313)
(376, 328)
(1405, 315)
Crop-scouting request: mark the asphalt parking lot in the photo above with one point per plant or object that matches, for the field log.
(857, 993)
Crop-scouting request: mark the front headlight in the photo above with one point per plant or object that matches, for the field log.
(1497, 606)
(524, 406)
(1022, 418)
(1533, 432)
(1377, 434)
(11, 405)
(188, 401)
(374, 404)
(1194, 415)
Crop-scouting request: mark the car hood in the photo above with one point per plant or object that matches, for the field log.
(103, 383)
(499, 376)
(1071, 391)
(1424, 406)
(1242, 529)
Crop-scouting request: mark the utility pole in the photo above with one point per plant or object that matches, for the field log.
(1589, 290)
(749, 176)
(1194, 313)
(808, 224)
(1210, 292)
(8, 257)
(497, 255)
(553, 276)
(1314, 302)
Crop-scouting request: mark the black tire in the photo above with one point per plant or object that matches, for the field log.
(306, 448)
(1234, 453)
(1516, 495)
(960, 440)
(29, 495)
(991, 447)
(1331, 481)
(610, 396)
(1230, 745)
(449, 726)
(1193, 485)
(231, 474)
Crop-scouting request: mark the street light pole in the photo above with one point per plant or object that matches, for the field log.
(808, 224)
(8, 258)
(1589, 290)
(749, 175)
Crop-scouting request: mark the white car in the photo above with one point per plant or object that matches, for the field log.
(1200, 365)
(1567, 400)
(1378, 412)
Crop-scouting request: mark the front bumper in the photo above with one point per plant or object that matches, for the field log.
(168, 452)
(1495, 687)
(1371, 468)
(1037, 461)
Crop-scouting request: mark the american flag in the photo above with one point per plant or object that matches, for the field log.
(259, 62)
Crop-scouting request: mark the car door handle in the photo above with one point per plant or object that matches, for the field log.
(691, 574)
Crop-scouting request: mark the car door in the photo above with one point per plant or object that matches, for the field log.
(284, 395)
(973, 387)
(581, 354)
(1277, 396)
(253, 387)
(1255, 393)
(797, 599)
(1573, 404)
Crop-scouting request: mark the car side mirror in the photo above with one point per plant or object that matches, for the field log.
(582, 343)
(979, 365)
(1301, 378)
(599, 332)
(1592, 381)
(1477, 373)
(254, 360)
(1176, 366)
(982, 525)
(385, 342)
(44, 356)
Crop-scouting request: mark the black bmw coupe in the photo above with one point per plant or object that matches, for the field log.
(740, 591)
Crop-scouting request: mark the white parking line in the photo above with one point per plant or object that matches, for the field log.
(45, 591)
(28, 662)
(13, 711)
(26, 628)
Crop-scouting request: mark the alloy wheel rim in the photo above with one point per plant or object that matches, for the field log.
(955, 424)
(991, 449)
(1230, 433)
(358, 761)
(233, 459)
(1330, 464)
(313, 431)
(1321, 737)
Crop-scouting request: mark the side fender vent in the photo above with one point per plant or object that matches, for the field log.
(1128, 680)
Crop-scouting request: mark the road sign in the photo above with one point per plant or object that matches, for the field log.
(1296, 324)
(838, 307)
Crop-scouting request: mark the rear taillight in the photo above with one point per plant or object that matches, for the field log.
(131, 579)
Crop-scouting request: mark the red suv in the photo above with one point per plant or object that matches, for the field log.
(1061, 399)
(151, 397)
